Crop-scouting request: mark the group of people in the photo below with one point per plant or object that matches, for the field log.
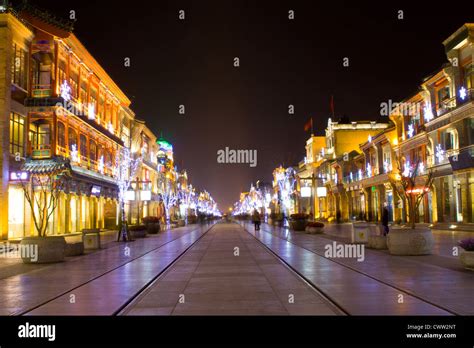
(385, 218)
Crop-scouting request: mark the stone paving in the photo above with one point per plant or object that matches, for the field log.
(210, 279)
(101, 281)
(437, 279)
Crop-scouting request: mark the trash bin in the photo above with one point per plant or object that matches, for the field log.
(361, 232)
(91, 238)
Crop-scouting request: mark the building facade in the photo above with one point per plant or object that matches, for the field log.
(57, 102)
(432, 130)
(329, 161)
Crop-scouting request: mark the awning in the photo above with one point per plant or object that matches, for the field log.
(46, 166)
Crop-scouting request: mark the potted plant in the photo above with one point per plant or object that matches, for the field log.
(467, 255)
(42, 190)
(192, 219)
(138, 231)
(181, 222)
(277, 219)
(152, 224)
(314, 227)
(298, 221)
(412, 186)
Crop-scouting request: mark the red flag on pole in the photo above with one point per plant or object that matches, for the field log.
(309, 125)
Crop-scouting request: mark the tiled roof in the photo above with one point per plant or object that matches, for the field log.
(46, 166)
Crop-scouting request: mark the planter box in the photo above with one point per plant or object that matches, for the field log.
(361, 231)
(153, 228)
(91, 238)
(298, 225)
(377, 242)
(74, 249)
(467, 259)
(43, 249)
(138, 234)
(410, 242)
(314, 230)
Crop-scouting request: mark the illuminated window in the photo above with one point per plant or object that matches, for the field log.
(83, 146)
(93, 101)
(61, 135)
(125, 135)
(19, 67)
(387, 159)
(100, 111)
(17, 129)
(72, 138)
(83, 92)
(93, 150)
(73, 83)
(16, 216)
(40, 134)
(61, 71)
(469, 76)
(443, 93)
(145, 141)
(100, 151)
(108, 159)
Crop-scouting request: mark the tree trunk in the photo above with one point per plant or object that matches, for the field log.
(412, 212)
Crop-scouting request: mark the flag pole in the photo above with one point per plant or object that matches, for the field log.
(312, 132)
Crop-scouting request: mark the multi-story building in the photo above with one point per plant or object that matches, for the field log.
(332, 161)
(145, 200)
(306, 174)
(367, 179)
(57, 102)
(432, 130)
(16, 37)
(441, 132)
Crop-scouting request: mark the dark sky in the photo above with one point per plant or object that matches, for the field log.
(283, 62)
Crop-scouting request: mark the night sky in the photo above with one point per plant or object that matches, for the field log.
(282, 62)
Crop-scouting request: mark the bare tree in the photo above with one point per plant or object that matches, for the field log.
(412, 185)
(126, 167)
(42, 192)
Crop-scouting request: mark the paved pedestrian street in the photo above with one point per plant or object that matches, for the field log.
(98, 283)
(230, 272)
(228, 268)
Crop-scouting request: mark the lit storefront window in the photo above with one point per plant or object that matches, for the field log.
(16, 215)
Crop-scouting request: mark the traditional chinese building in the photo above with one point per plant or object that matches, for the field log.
(143, 198)
(57, 102)
(333, 164)
(438, 132)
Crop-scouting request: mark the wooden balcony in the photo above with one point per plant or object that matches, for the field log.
(41, 151)
(41, 91)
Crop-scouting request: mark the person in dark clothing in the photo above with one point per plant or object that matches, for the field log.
(256, 220)
(385, 219)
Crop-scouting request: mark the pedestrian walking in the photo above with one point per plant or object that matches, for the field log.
(256, 219)
(385, 219)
